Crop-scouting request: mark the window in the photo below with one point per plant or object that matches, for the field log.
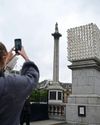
(53, 95)
(59, 95)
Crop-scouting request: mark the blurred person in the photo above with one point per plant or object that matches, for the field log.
(26, 113)
(15, 88)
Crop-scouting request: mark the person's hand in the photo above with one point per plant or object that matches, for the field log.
(23, 54)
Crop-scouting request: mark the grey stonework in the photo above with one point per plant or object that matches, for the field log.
(92, 114)
(83, 106)
(85, 77)
(85, 92)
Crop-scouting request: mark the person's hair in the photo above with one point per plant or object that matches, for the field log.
(3, 52)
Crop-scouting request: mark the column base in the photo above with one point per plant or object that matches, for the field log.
(83, 110)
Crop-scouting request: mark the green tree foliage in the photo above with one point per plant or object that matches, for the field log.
(39, 96)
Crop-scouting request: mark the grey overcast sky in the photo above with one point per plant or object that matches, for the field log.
(34, 21)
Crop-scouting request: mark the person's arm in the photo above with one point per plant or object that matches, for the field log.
(22, 85)
(10, 55)
(23, 54)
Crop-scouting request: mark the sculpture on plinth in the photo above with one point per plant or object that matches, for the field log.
(84, 53)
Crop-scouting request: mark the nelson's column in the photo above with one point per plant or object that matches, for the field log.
(56, 36)
(55, 89)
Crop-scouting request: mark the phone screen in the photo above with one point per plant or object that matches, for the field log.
(18, 45)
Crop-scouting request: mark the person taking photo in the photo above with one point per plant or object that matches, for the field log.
(15, 88)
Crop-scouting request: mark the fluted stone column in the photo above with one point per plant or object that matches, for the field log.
(55, 86)
(56, 36)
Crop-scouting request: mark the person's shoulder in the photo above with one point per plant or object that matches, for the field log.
(29, 64)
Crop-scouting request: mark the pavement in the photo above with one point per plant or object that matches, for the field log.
(47, 122)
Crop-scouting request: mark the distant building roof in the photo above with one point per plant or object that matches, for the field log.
(44, 84)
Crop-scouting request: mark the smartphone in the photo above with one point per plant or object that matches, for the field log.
(18, 45)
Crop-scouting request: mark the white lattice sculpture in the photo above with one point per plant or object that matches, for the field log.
(84, 43)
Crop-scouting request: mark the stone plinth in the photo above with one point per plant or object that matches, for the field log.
(85, 92)
(83, 106)
(92, 114)
(85, 77)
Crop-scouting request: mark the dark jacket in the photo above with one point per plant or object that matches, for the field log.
(26, 112)
(13, 92)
